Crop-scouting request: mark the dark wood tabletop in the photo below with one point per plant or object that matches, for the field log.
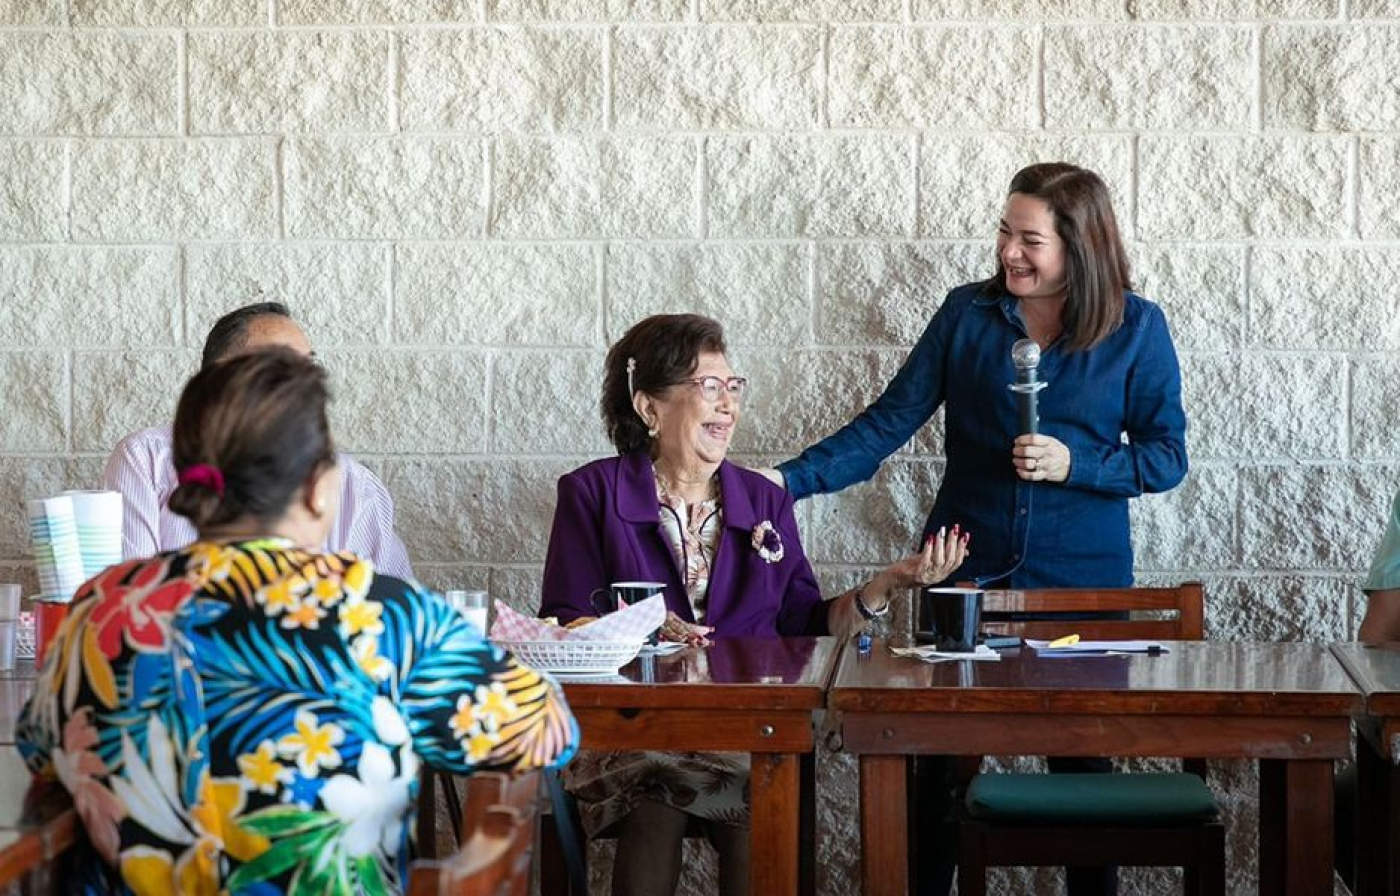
(731, 673)
(751, 695)
(1197, 676)
(1375, 668)
(1288, 705)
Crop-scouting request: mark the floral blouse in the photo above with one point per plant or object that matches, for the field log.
(692, 531)
(251, 718)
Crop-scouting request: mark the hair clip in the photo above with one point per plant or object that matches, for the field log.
(631, 369)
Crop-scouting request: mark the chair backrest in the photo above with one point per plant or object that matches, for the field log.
(1169, 614)
(500, 825)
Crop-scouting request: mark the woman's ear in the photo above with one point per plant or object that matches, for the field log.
(321, 491)
(645, 406)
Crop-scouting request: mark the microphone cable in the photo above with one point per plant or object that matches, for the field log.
(982, 581)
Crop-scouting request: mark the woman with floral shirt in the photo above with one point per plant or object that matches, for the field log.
(245, 715)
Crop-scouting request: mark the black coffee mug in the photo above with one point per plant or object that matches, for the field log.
(606, 600)
(629, 593)
(949, 618)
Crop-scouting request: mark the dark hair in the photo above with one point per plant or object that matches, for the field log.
(230, 332)
(667, 349)
(1096, 265)
(260, 420)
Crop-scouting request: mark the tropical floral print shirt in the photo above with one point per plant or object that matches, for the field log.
(251, 718)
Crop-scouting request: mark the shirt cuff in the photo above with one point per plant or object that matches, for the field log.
(797, 478)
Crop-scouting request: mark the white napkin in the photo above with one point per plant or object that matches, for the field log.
(932, 654)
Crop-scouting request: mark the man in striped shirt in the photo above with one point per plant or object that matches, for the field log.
(141, 468)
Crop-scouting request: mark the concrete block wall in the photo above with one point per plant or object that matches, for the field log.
(467, 200)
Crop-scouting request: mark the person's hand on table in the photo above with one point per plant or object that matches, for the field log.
(677, 629)
(1040, 457)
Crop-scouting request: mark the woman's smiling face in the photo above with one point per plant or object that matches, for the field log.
(693, 432)
(1030, 250)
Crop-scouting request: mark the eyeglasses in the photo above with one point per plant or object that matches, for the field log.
(712, 386)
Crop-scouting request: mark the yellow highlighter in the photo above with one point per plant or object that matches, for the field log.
(1066, 641)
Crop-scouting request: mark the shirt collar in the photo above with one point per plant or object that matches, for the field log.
(990, 296)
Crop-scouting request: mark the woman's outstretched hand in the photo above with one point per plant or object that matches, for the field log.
(943, 552)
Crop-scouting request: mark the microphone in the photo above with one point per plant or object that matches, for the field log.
(1025, 354)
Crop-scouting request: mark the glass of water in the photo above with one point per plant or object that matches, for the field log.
(474, 607)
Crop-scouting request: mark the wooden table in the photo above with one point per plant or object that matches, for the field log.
(36, 825)
(753, 695)
(1287, 705)
(1376, 670)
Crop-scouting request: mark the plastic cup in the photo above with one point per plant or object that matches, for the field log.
(9, 602)
(475, 607)
(7, 644)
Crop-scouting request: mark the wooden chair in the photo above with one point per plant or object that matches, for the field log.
(1132, 819)
(500, 825)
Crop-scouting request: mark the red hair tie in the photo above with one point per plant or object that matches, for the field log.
(205, 476)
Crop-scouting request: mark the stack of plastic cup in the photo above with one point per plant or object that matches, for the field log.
(57, 551)
(98, 516)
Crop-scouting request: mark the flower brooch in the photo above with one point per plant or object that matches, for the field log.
(767, 543)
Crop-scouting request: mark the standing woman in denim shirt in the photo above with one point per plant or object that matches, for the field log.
(1047, 510)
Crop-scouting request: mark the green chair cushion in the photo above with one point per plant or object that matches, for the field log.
(1157, 798)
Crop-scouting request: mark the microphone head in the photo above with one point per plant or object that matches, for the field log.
(1025, 354)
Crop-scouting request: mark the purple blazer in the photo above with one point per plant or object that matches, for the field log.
(607, 528)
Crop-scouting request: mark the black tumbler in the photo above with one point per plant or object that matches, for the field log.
(949, 618)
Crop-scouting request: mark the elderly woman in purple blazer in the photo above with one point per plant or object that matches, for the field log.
(669, 508)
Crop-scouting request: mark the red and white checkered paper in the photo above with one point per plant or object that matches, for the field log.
(631, 624)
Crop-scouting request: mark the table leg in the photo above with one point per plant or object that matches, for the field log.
(1372, 822)
(426, 833)
(1295, 827)
(773, 832)
(884, 825)
(1392, 820)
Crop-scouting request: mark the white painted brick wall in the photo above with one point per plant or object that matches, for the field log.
(466, 200)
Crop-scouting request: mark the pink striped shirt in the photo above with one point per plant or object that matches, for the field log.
(142, 470)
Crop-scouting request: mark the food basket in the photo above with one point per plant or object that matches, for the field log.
(574, 656)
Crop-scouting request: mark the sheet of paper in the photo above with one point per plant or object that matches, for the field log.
(933, 655)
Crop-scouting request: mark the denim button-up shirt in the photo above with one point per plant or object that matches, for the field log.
(1116, 406)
